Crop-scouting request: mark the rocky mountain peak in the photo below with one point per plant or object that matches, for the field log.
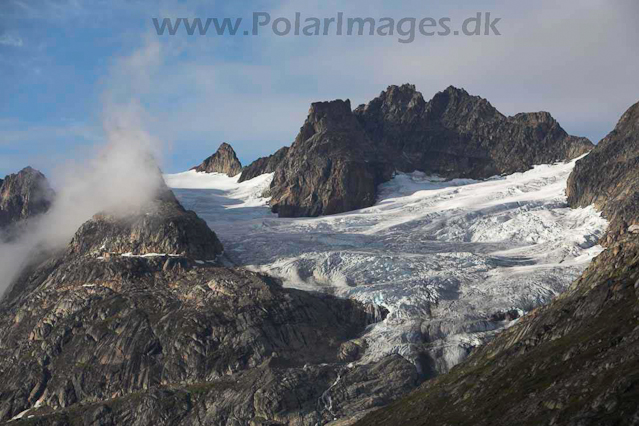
(23, 195)
(609, 177)
(223, 161)
(340, 156)
(395, 104)
(334, 115)
(331, 117)
(101, 326)
(404, 97)
(543, 123)
(629, 122)
(454, 92)
(454, 106)
(162, 226)
(535, 118)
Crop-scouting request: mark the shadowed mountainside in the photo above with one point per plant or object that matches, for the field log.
(137, 322)
(609, 176)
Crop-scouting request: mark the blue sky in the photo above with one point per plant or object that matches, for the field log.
(63, 61)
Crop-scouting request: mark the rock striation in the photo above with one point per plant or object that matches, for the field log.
(340, 155)
(137, 323)
(24, 195)
(575, 361)
(223, 161)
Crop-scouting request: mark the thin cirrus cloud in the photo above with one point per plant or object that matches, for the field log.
(254, 92)
(548, 58)
(11, 40)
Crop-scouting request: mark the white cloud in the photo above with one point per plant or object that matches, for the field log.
(118, 179)
(575, 59)
(563, 58)
(10, 40)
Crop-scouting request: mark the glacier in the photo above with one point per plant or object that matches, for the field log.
(453, 261)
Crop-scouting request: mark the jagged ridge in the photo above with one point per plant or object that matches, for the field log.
(340, 156)
(263, 165)
(609, 176)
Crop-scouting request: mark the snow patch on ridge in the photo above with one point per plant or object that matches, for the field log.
(447, 258)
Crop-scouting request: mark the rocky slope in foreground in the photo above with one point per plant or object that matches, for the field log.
(23, 195)
(136, 323)
(576, 361)
(340, 156)
(223, 161)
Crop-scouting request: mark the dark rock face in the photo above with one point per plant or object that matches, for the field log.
(575, 361)
(609, 176)
(459, 135)
(263, 165)
(24, 195)
(164, 227)
(340, 155)
(329, 168)
(223, 161)
(107, 332)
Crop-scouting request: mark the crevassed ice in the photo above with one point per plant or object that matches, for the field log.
(447, 258)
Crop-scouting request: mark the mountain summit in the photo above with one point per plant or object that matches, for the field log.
(341, 155)
(223, 161)
(609, 177)
(138, 322)
(24, 195)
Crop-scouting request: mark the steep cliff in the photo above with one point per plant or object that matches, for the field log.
(330, 167)
(609, 177)
(340, 156)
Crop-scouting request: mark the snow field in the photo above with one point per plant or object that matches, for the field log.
(446, 258)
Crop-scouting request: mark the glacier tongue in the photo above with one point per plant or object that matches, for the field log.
(453, 261)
